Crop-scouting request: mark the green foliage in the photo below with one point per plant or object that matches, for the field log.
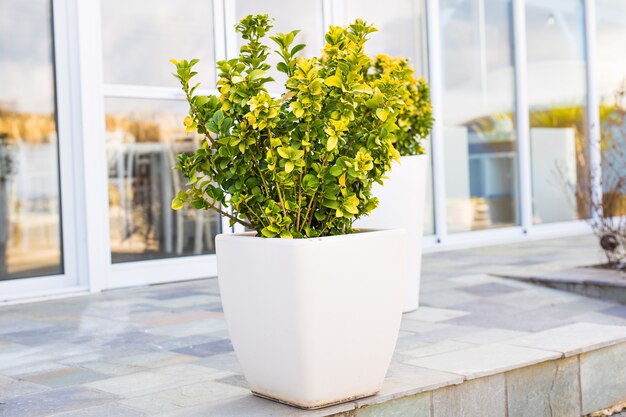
(302, 165)
(415, 119)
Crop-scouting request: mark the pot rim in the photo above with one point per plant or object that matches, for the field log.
(360, 234)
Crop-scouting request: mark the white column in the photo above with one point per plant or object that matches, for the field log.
(522, 119)
(593, 109)
(92, 195)
(435, 77)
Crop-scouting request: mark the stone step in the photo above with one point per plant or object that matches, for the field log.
(604, 284)
(566, 371)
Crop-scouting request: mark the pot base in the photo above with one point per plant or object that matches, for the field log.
(316, 406)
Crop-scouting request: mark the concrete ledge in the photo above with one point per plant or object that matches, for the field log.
(604, 284)
(569, 386)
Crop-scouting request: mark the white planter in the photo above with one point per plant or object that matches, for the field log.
(313, 322)
(401, 206)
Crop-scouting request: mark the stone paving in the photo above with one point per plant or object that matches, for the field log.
(164, 350)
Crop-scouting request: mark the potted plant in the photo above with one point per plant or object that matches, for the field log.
(313, 308)
(401, 200)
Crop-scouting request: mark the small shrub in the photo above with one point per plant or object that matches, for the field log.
(300, 165)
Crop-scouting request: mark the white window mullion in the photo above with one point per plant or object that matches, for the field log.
(593, 109)
(91, 145)
(332, 12)
(220, 29)
(149, 92)
(435, 71)
(230, 20)
(522, 116)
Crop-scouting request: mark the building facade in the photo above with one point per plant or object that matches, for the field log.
(91, 121)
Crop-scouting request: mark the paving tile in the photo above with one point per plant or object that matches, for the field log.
(150, 360)
(431, 314)
(252, 406)
(157, 320)
(207, 349)
(437, 348)
(447, 298)
(106, 410)
(548, 389)
(34, 368)
(403, 380)
(573, 339)
(10, 388)
(64, 377)
(205, 392)
(202, 327)
(485, 360)
(53, 401)
(236, 380)
(469, 280)
(17, 323)
(602, 378)
(111, 369)
(409, 406)
(484, 397)
(490, 289)
(146, 382)
(180, 342)
(598, 317)
(223, 361)
(415, 326)
(616, 310)
(448, 332)
(533, 298)
(168, 295)
(487, 336)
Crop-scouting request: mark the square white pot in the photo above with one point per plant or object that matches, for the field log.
(313, 322)
(401, 206)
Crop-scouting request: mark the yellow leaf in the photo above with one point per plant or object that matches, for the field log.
(342, 180)
(283, 152)
(382, 114)
(289, 167)
(332, 143)
(333, 81)
(363, 88)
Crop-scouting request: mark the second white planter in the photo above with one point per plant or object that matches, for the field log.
(401, 206)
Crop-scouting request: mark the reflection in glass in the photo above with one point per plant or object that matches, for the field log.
(611, 67)
(139, 37)
(402, 32)
(556, 95)
(143, 138)
(401, 25)
(289, 15)
(30, 224)
(478, 116)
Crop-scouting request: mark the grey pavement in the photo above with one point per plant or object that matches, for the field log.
(164, 349)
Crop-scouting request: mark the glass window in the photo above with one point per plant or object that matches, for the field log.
(402, 32)
(611, 67)
(30, 222)
(143, 138)
(556, 95)
(289, 15)
(139, 37)
(401, 25)
(478, 114)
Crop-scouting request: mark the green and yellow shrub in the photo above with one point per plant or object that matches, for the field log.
(300, 165)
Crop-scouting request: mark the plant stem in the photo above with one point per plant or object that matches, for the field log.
(228, 215)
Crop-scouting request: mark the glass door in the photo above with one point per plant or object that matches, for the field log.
(34, 256)
(144, 110)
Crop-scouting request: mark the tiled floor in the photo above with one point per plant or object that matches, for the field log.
(164, 350)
